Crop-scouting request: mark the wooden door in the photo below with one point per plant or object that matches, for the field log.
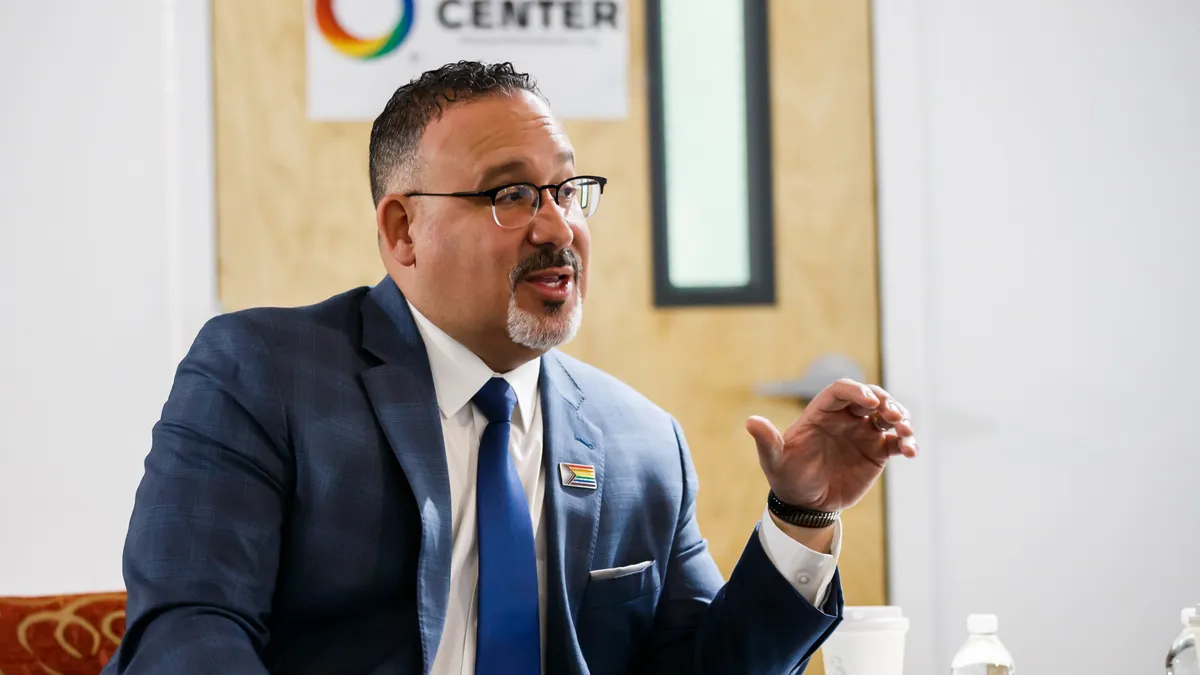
(295, 225)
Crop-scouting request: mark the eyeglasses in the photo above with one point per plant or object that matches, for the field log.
(516, 204)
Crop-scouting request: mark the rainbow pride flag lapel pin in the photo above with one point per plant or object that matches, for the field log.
(578, 475)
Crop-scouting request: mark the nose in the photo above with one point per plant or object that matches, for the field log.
(550, 224)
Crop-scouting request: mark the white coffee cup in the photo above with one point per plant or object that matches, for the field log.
(869, 641)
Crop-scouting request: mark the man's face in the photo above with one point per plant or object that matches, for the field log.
(512, 290)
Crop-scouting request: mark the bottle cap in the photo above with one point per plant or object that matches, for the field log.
(982, 624)
(1190, 616)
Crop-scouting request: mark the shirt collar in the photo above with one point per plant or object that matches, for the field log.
(458, 374)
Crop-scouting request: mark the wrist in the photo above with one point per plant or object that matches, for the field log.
(812, 528)
(800, 516)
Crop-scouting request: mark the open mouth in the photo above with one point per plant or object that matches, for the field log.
(550, 280)
(551, 276)
(553, 284)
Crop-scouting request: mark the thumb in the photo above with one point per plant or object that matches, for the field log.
(766, 437)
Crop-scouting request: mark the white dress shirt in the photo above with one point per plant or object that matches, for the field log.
(457, 375)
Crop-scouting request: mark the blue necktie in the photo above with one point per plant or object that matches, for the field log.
(507, 638)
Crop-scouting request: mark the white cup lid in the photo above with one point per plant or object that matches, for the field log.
(872, 617)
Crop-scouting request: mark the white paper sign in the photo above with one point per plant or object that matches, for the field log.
(361, 51)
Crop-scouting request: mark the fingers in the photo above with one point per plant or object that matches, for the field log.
(901, 438)
(879, 411)
(873, 403)
(903, 445)
(890, 411)
(865, 400)
(900, 441)
(890, 415)
(846, 393)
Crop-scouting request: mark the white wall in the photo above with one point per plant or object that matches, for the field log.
(106, 267)
(1039, 167)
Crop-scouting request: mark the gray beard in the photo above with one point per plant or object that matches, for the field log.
(544, 332)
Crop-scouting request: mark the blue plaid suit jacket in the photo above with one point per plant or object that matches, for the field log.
(294, 517)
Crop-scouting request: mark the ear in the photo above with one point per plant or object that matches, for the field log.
(393, 219)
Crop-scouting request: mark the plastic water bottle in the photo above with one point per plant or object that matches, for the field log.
(1184, 657)
(982, 653)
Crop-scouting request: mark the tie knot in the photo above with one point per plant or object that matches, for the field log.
(496, 400)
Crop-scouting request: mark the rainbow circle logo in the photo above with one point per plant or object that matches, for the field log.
(359, 48)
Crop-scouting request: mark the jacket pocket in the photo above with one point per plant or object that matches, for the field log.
(615, 590)
(616, 619)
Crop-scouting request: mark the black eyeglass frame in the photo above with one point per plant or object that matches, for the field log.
(494, 192)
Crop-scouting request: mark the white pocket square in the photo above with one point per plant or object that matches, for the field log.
(614, 572)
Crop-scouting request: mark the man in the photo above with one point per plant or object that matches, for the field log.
(409, 478)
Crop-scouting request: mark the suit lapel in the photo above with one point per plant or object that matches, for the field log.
(405, 403)
(573, 513)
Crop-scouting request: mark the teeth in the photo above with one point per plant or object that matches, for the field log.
(551, 281)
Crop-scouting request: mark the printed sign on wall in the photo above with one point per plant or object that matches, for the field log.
(360, 51)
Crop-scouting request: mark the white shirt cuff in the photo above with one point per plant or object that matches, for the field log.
(809, 572)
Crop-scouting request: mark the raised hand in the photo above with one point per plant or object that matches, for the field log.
(832, 455)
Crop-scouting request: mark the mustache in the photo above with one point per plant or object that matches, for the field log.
(545, 258)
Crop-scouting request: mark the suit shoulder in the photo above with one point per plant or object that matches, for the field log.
(267, 327)
(602, 389)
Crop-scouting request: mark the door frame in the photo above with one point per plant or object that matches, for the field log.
(191, 227)
(902, 207)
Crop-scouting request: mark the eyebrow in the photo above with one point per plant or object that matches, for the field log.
(516, 166)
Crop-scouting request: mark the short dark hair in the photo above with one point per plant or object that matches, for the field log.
(397, 131)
